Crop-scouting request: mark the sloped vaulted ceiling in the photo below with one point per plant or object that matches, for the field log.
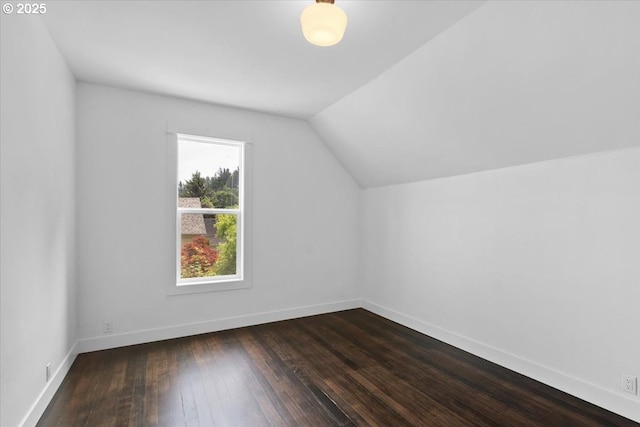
(511, 83)
(417, 89)
(242, 53)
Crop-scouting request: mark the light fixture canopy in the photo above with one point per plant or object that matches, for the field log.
(323, 23)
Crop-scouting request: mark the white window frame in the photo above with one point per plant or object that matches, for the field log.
(242, 278)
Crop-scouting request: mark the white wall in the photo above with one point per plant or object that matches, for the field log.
(37, 213)
(535, 267)
(306, 214)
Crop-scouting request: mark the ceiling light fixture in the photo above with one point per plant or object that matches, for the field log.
(323, 23)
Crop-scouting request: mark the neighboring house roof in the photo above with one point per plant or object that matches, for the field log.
(191, 223)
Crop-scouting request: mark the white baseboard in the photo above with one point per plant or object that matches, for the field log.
(150, 335)
(41, 403)
(618, 403)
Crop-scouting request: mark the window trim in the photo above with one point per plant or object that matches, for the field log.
(243, 278)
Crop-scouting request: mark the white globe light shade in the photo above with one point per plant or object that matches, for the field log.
(323, 24)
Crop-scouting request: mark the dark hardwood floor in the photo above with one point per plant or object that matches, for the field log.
(340, 369)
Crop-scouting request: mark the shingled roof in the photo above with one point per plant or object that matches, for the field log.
(191, 223)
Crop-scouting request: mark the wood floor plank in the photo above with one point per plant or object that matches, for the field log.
(150, 403)
(400, 361)
(248, 410)
(350, 368)
(279, 349)
(170, 400)
(539, 404)
(403, 372)
(275, 413)
(271, 382)
(199, 381)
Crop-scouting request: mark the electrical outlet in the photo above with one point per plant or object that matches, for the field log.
(629, 384)
(47, 372)
(107, 327)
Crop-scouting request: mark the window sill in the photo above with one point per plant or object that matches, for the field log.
(200, 287)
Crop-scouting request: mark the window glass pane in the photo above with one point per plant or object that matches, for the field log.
(208, 245)
(209, 174)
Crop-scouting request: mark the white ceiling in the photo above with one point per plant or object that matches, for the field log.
(512, 83)
(416, 90)
(248, 54)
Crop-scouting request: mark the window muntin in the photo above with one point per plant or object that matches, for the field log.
(210, 211)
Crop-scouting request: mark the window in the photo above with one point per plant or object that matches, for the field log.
(211, 214)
